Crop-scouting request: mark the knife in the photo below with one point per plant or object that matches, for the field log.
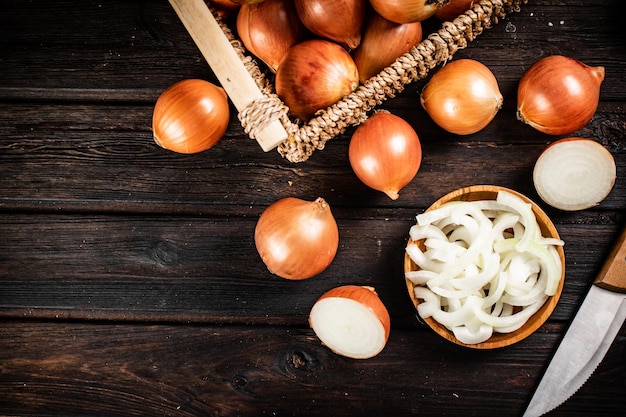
(588, 337)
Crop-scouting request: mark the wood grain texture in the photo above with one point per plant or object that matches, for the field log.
(124, 370)
(174, 269)
(129, 280)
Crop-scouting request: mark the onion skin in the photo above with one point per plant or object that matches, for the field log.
(269, 29)
(453, 9)
(297, 239)
(313, 75)
(385, 153)
(242, 2)
(337, 20)
(558, 95)
(407, 11)
(366, 296)
(462, 97)
(383, 41)
(574, 174)
(190, 116)
(224, 8)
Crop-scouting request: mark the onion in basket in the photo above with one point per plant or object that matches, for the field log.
(383, 41)
(313, 75)
(337, 20)
(405, 11)
(269, 29)
(453, 9)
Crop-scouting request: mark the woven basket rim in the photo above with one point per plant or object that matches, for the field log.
(305, 137)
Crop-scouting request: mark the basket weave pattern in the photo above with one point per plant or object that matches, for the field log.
(436, 49)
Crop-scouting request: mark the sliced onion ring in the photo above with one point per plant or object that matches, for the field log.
(456, 292)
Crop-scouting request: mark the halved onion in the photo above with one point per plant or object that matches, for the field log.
(352, 321)
(574, 174)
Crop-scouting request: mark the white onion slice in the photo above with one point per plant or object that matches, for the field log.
(574, 174)
(474, 331)
(484, 266)
(528, 220)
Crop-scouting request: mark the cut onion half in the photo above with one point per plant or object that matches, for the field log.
(351, 321)
(574, 174)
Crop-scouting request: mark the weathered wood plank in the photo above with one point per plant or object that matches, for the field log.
(92, 50)
(107, 369)
(102, 157)
(206, 269)
(129, 281)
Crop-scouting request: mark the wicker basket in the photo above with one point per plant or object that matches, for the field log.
(266, 118)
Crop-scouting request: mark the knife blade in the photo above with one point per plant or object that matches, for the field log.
(589, 336)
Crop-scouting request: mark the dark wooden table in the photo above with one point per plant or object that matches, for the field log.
(129, 279)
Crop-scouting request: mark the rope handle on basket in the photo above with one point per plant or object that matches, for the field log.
(261, 112)
(438, 48)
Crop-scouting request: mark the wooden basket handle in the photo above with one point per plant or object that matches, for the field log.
(226, 64)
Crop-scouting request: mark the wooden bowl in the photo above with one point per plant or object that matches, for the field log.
(497, 340)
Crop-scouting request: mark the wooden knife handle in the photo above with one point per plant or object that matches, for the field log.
(226, 64)
(613, 274)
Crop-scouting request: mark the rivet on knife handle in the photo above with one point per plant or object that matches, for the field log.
(613, 274)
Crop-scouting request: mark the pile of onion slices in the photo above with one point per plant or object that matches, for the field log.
(483, 266)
